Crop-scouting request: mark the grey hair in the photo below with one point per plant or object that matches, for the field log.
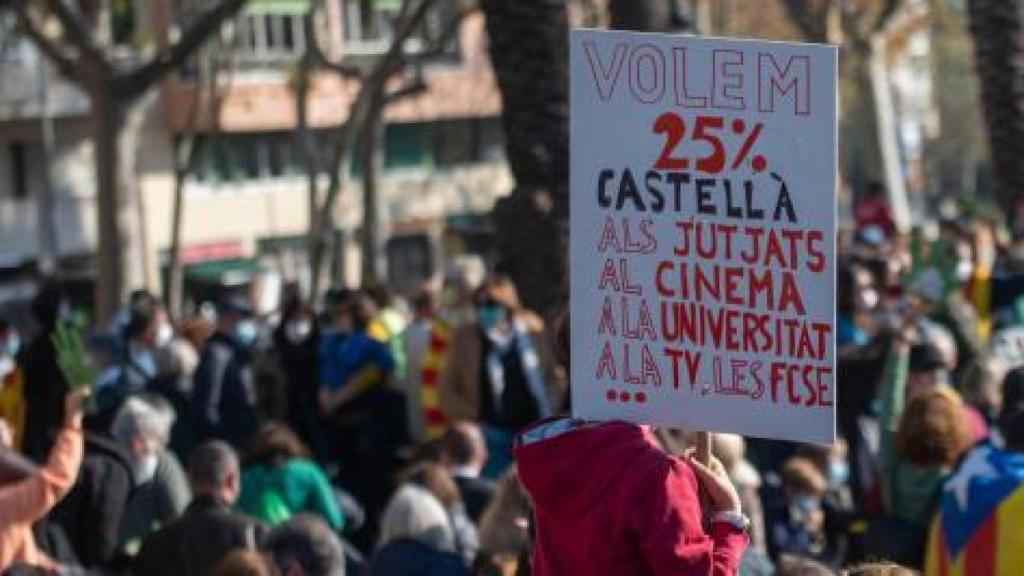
(306, 540)
(146, 415)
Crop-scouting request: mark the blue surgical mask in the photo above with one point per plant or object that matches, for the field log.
(246, 332)
(11, 346)
(806, 504)
(490, 316)
(838, 473)
(145, 361)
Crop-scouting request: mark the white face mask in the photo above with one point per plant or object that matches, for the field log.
(298, 331)
(869, 298)
(164, 334)
(144, 468)
(964, 270)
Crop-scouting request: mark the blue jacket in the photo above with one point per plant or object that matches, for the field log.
(342, 356)
(407, 557)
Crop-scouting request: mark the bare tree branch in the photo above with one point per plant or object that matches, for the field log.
(139, 80)
(889, 9)
(437, 45)
(77, 32)
(65, 64)
(319, 59)
(414, 87)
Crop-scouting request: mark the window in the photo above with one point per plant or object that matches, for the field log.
(245, 157)
(367, 26)
(19, 170)
(270, 38)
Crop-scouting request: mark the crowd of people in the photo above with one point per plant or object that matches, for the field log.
(366, 434)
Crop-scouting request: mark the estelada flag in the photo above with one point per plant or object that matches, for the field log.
(978, 530)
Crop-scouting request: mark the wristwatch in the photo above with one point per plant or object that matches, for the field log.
(738, 520)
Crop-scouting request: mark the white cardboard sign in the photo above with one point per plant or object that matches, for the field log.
(702, 233)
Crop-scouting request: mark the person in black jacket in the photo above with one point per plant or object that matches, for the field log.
(297, 343)
(90, 514)
(209, 530)
(464, 453)
(45, 386)
(224, 390)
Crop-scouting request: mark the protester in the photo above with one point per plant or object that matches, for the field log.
(135, 369)
(280, 480)
(799, 530)
(90, 515)
(918, 447)
(224, 394)
(245, 563)
(44, 383)
(504, 378)
(209, 529)
(596, 487)
(435, 478)
(28, 499)
(981, 504)
(161, 492)
(416, 537)
(730, 449)
(297, 342)
(421, 346)
(504, 527)
(464, 453)
(305, 546)
(12, 389)
(363, 426)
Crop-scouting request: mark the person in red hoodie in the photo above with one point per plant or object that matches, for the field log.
(608, 500)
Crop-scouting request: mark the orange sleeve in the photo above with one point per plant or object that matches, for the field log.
(33, 497)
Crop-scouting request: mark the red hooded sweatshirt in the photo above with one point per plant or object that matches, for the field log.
(609, 501)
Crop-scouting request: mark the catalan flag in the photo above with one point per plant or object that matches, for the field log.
(979, 530)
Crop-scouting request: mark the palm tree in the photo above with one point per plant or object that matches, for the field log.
(998, 30)
(529, 51)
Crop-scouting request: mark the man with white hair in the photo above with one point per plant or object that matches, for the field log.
(142, 426)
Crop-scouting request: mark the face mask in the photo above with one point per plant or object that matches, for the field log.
(144, 469)
(145, 361)
(12, 346)
(869, 299)
(806, 504)
(164, 334)
(964, 270)
(6, 367)
(490, 316)
(838, 473)
(246, 332)
(298, 331)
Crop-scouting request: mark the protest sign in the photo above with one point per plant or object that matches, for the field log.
(702, 225)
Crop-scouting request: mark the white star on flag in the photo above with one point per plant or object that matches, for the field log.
(976, 466)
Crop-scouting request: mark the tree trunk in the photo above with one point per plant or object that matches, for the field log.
(175, 269)
(997, 27)
(640, 15)
(112, 249)
(373, 140)
(529, 50)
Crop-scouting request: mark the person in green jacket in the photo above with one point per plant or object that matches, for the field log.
(280, 480)
(923, 427)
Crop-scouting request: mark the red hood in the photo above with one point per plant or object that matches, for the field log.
(569, 466)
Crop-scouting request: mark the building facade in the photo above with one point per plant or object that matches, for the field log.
(246, 203)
